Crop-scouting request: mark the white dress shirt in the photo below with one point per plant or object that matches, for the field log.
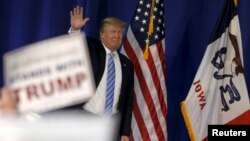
(97, 103)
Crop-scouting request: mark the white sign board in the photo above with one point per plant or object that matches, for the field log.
(50, 74)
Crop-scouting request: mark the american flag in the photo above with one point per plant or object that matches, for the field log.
(145, 47)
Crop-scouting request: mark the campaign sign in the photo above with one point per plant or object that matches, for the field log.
(50, 74)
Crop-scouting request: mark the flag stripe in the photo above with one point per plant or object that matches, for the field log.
(139, 120)
(131, 138)
(156, 80)
(145, 114)
(241, 119)
(160, 78)
(150, 110)
(145, 90)
(147, 75)
(161, 54)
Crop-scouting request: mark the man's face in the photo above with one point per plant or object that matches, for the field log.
(112, 36)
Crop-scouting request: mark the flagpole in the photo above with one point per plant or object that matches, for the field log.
(150, 29)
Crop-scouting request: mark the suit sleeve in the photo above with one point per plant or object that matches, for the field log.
(127, 113)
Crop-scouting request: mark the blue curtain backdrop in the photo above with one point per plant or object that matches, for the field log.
(189, 24)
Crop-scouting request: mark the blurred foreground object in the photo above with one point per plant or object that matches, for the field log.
(50, 74)
(64, 127)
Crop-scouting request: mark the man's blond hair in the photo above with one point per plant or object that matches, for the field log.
(112, 21)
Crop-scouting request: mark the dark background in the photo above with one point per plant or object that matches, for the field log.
(189, 25)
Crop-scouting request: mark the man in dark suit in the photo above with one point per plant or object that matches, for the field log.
(111, 35)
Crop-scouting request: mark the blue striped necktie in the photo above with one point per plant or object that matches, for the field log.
(110, 85)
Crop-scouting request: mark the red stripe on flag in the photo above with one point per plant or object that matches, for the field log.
(205, 139)
(157, 84)
(131, 138)
(145, 90)
(162, 58)
(241, 119)
(140, 122)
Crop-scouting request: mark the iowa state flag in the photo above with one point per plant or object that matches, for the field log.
(218, 94)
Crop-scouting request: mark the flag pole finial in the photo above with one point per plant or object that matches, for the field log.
(146, 52)
(236, 2)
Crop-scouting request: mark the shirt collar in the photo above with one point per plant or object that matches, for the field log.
(108, 50)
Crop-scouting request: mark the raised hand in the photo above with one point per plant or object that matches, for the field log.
(77, 20)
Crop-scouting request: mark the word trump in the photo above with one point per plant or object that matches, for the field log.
(49, 88)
